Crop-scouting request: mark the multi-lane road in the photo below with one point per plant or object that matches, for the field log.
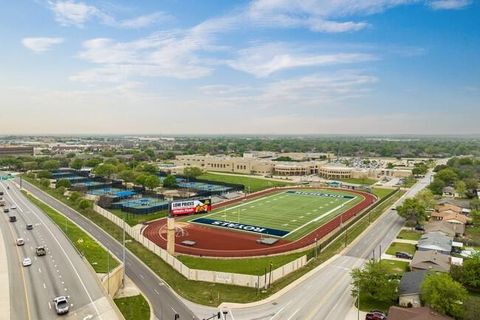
(164, 301)
(61, 271)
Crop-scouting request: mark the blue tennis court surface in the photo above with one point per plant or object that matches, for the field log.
(201, 186)
(112, 191)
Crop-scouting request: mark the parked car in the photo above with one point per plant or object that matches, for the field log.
(61, 304)
(419, 227)
(403, 255)
(40, 251)
(375, 315)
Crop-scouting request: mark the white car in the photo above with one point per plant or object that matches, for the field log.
(61, 304)
(27, 262)
(13, 207)
(20, 242)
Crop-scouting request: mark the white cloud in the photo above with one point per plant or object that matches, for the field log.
(144, 21)
(40, 44)
(70, 13)
(319, 16)
(76, 13)
(266, 59)
(449, 4)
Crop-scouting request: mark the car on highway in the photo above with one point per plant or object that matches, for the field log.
(6, 210)
(40, 251)
(61, 304)
(375, 315)
(20, 242)
(29, 226)
(27, 262)
(13, 218)
(13, 208)
(403, 255)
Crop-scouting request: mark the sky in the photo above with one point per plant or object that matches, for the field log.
(240, 67)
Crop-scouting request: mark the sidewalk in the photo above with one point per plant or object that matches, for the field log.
(353, 314)
(405, 241)
(4, 281)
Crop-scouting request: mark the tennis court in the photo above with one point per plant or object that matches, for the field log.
(288, 214)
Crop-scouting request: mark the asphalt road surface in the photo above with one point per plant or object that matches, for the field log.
(164, 302)
(61, 271)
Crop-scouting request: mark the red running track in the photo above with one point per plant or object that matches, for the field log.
(216, 242)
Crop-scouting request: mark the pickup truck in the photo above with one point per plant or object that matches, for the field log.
(40, 251)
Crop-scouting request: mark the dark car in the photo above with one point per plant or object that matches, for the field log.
(403, 255)
(419, 227)
(375, 315)
(41, 251)
(29, 226)
(13, 218)
(6, 210)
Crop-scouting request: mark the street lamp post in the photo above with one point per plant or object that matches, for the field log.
(123, 254)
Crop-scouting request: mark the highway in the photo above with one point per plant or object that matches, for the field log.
(60, 272)
(164, 301)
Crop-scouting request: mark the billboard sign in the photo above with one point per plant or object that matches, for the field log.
(190, 207)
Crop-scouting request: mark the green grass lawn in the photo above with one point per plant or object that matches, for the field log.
(382, 193)
(367, 304)
(298, 212)
(134, 219)
(134, 308)
(251, 184)
(404, 247)
(253, 266)
(365, 181)
(93, 252)
(409, 235)
(394, 266)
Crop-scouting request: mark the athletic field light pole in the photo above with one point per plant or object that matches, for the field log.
(123, 254)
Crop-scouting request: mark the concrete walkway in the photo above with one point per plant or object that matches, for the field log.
(406, 241)
(4, 281)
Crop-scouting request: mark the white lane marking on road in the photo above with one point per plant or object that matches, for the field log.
(44, 286)
(39, 270)
(63, 250)
(279, 311)
(231, 314)
(173, 309)
(293, 314)
(49, 306)
(156, 291)
(141, 276)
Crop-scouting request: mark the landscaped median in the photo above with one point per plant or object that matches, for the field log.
(101, 260)
(213, 293)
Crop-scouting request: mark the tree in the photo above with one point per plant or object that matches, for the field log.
(469, 273)
(74, 196)
(51, 165)
(443, 294)
(63, 183)
(437, 186)
(426, 198)
(374, 282)
(447, 175)
(31, 165)
(45, 182)
(475, 204)
(44, 174)
(192, 172)
(151, 182)
(127, 175)
(147, 167)
(105, 170)
(76, 164)
(151, 154)
(472, 308)
(412, 210)
(460, 187)
(140, 179)
(93, 162)
(85, 204)
(170, 181)
(61, 190)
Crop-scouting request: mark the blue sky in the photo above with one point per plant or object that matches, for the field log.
(227, 67)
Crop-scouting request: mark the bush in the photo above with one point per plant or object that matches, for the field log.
(85, 204)
(45, 182)
(44, 174)
(75, 196)
(61, 190)
(63, 183)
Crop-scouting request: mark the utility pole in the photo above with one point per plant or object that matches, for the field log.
(108, 272)
(358, 302)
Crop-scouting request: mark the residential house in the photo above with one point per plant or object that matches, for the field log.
(435, 241)
(420, 313)
(456, 218)
(448, 206)
(449, 192)
(409, 289)
(430, 260)
(447, 228)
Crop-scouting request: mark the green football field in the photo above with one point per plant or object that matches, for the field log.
(294, 212)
